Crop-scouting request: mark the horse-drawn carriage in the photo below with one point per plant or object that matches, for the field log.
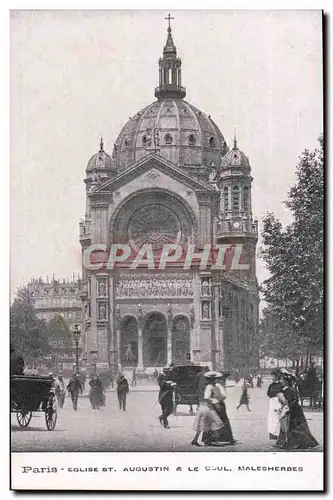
(185, 391)
(33, 393)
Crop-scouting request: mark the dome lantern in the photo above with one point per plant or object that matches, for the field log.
(170, 77)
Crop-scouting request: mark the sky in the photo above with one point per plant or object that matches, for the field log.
(77, 75)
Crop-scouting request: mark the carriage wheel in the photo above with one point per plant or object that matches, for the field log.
(23, 417)
(51, 413)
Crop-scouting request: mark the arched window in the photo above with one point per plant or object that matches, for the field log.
(212, 142)
(144, 140)
(191, 140)
(246, 199)
(235, 199)
(226, 199)
(168, 139)
(169, 75)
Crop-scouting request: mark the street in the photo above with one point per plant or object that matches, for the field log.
(138, 428)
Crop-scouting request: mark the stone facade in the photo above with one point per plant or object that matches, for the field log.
(171, 180)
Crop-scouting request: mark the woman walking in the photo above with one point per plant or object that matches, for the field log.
(245, 399)
(294, 430)
(96, 393)
(207, 420)
(273, 423)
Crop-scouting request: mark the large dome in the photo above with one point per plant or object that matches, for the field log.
(176, 130)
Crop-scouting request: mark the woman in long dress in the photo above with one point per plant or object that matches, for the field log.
(273, 423)
(207, 420)
(245, 398)
(223, 435)
(96, 393)
(294, 430)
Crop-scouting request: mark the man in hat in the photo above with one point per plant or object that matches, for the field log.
(74, 387)
(122, 391)
(165, 398)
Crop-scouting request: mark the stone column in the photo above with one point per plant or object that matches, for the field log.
(140, 338)
(117, 349)
(215, 325)
(169, 338)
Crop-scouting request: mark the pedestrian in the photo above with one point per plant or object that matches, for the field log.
(200, 384)
(74, 388)
(273, 423)
(96, 393)
(207, 420)
(165, 398)
(294, 430)
(60, 391)
(122, 391)
(259, 381)
(133, 377)
(215, 392)
(83, 377)
(244, 399)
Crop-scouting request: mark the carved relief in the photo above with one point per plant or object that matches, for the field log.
(159, 285)
(153, 176)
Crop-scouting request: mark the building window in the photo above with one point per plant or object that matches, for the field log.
(168, 139)
(246, 199)
(212, 142)
(235, 199)
(226, 199)
(144, 140)
(191, 140)
(169, 75)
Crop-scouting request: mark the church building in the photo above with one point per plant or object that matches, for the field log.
(170, 186)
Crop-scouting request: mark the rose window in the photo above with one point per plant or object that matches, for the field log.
(154, 224)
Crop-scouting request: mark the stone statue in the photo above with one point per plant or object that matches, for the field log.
(102, 311)
(205, 287)
(205, 310)
(87, 311)
(102, 288)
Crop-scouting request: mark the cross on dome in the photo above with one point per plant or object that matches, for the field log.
(169, 19)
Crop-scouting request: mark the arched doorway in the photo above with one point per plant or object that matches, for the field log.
(181, 345)
(155, 332)
(129, 341)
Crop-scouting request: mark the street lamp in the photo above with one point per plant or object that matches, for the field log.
(76, 337)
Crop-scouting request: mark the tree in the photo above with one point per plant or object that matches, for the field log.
(294, 255)
(59, 334)
(28, 333)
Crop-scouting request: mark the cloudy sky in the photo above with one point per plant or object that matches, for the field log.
(78, 74)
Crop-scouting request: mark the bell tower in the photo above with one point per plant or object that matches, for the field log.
(170, 73)
(236, 224)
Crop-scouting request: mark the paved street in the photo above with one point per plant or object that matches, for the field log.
(138, 429)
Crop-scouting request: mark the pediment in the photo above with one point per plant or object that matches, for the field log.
(155, 168)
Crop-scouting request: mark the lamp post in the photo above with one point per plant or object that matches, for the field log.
(76, 337)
